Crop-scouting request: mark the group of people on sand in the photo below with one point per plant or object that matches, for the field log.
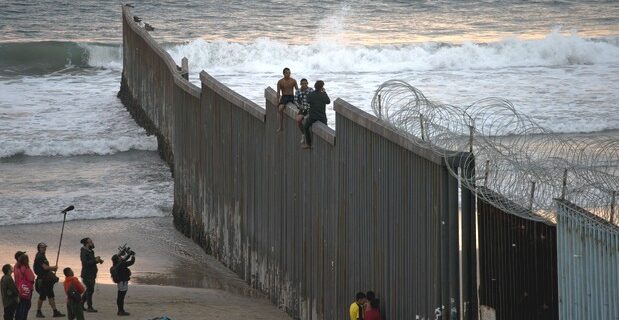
(311, 104)
(17, 290)
(365, 307)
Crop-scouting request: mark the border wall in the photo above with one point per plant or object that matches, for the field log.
(365, 209)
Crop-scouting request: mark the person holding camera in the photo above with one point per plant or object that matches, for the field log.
(89, 271)
(46, 279)
(121, 275)
(318, 101)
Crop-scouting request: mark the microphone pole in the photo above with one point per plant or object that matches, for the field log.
(69, 208)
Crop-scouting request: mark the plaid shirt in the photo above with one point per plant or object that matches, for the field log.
(301, 98)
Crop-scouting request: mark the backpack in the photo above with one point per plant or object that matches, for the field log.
(114, 273)
(24, 288)
(73, 294)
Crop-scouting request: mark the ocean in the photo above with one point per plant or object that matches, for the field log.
(65, 138)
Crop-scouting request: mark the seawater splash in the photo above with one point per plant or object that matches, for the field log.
(67, 114)
(324, 54)
(265, 55)
(47, 57)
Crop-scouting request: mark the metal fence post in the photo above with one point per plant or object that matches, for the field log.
(613, 206)
(471, 135)
(185, 68)
(380, 109)
(422, 128)
(564, 189)
(532, 195)
(487, 173)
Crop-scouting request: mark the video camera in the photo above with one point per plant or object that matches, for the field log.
(125, 252)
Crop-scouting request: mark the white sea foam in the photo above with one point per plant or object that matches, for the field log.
(565, 82)
(265, 55)
(67, 114)
(104, 56)
(70, 147)
(130, 184)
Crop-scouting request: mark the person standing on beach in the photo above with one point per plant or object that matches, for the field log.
(24, 280)
(356, 307)
(371, 309)
(318, 101)
(45, 282)
(89, 271)
(9, 292)
(73, 288)
(121, 276)
(301, 99)
(285, 94)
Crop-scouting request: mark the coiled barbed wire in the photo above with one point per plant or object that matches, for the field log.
(507, 154)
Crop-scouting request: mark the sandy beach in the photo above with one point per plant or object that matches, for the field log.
(172, 276)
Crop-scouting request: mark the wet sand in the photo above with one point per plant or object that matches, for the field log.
(172, 275)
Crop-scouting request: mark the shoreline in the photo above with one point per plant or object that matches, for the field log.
(168, 266)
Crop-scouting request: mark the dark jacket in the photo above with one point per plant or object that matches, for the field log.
(318, 102)
(9, 291)
(89, 264)
(124, 274)
(41, 273)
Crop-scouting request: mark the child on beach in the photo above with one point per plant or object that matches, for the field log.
(9, 293)
(74, 290)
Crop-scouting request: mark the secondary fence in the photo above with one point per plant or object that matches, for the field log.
(588, 255)
(366, 209)
(518, 265)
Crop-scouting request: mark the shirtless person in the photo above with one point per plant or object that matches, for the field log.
(285, 94)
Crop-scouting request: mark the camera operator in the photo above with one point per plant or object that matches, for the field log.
(89, 271)
(45, 282)
(121, 274)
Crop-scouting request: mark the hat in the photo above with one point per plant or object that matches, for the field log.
(41, 244)
(19, 254)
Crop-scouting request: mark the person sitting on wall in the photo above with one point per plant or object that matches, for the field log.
(318, 101)
(356, 307)
(301, 99)
(285, 94)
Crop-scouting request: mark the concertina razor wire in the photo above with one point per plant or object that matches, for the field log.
(506, 158)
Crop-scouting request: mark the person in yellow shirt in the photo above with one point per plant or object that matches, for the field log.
(356, 308)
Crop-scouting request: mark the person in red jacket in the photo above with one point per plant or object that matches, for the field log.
(74, 290)
(24, 280)
(373, 313)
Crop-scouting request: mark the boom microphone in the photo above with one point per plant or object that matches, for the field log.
(69, 208)
(64, 218)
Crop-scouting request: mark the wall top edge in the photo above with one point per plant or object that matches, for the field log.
(164, 55)
(583, 213)
(232, 96)
(373, 124)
